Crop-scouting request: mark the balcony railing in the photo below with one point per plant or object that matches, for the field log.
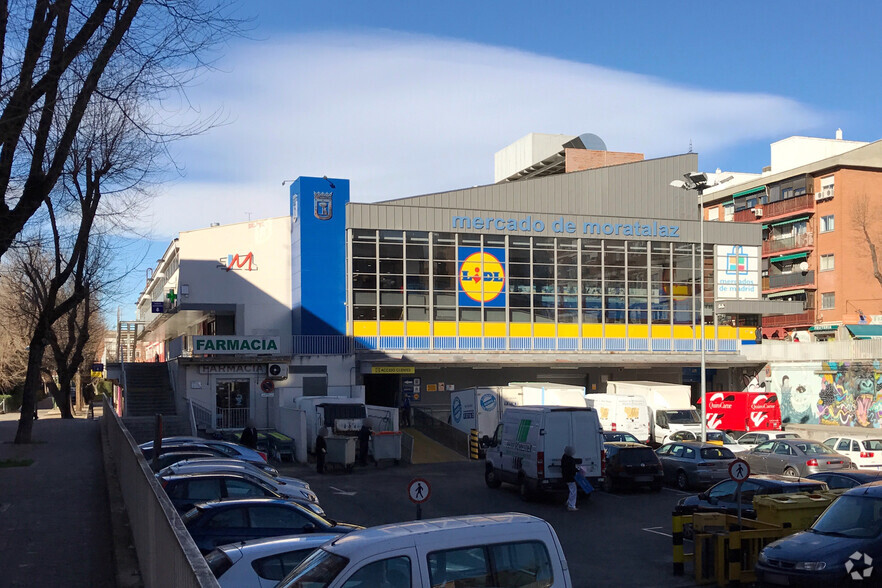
(791, 280)
(794, 242)
(789, 320)
(791, 205)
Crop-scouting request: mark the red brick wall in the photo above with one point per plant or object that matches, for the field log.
(582, 159)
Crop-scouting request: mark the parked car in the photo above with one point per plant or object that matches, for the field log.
(692, 463)
(224, 448)
(230, 521)
(847, 478)
(187, 490)
(247, 466)
(262, 562)
(721, 497)
(619, 437)
(865, 453)
(173, 457)
(632, 464)
(837, 550)
(724, 439)
(756, 437)
(505, 549)
(794, 457)
(286, 487)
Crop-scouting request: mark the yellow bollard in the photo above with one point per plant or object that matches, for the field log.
(677, 541)
(473, 444)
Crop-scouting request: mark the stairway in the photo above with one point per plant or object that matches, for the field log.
(148, 390)
(143, 428)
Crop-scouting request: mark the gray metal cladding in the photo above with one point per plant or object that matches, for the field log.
(616, 196)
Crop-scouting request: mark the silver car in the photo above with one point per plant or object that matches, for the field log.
(692, 463)
(794, 457)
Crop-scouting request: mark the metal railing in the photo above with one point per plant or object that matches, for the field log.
(793, 242)
(791, 280)
(815, 351)
(789, 320)
(200, 416)
(231, 418)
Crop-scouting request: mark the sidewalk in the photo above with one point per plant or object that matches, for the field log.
(55, 526)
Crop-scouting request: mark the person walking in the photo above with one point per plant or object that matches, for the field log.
(568, 465)
(405, 412)
(249, 435)
(364, 439)
(321, 449)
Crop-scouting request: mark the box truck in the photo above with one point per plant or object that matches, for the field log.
(481, 408)
(669, 405)
(622, 412)
(742, 411)
(527, 446)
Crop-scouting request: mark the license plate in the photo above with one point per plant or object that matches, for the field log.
(643, 478)
(776, 579)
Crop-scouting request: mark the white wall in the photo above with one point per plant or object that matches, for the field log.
(796, 151)
(525, 152)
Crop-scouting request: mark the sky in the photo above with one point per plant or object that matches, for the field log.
(406, 98)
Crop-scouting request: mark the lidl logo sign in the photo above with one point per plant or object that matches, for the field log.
(481, 277)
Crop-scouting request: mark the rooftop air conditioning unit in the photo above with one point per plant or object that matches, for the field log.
(757, 212)
(277, 371)
(825, 193)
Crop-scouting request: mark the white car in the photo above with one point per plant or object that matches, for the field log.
(262, 563)
(754, 438)
(721, 438)
(865, 453)
(288, 487)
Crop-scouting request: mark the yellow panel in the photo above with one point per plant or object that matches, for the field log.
(661, 331)
(494, 329)
(365, 328)
(592, 330)
(444, 329)
(709, 332)
(747, 333)
(726, 332)
(469, 329)
(520, 330)
(568, 330)
(544, 330)
(391, 328)
(638, 331)
(417, 329)
(615, 331)
(682, 332)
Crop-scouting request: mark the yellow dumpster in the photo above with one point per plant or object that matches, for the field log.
(796, 511)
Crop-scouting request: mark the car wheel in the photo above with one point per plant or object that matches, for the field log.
(682, 480)
(792, 472)
(524, 491)
(491, 478)
(608, 484)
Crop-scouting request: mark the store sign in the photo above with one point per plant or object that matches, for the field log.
(238, 261)
(737, 272)
(565, 226)
(392, 369)
(482, 277)
(244, 368)
(218, 345)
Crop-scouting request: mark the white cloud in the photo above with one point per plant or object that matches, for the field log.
(402, 115)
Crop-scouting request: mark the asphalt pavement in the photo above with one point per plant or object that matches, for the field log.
(55, 522)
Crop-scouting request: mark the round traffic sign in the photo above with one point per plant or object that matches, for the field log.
(739, 470)
(418, 490)
(267, 386)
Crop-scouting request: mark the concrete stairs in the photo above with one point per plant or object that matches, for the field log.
(143, 429)
(148, 390)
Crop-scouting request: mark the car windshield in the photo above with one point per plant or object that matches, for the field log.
(612, 437)
(683, 417)
(316, 571)
(716, 453)
(851, 516)
(812, 448)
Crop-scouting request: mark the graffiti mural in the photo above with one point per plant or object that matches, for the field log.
(845, 394)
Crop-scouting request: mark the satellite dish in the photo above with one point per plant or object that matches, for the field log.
(803, 267)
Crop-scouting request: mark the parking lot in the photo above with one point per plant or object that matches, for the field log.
(618, 539)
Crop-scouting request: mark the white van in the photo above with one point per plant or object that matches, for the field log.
(529, 442)
(622, 412)
(507, 549)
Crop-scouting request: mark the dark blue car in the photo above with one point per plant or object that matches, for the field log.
(218, 523)
(839, 549)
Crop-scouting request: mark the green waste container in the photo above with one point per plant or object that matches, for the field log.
(798, 511)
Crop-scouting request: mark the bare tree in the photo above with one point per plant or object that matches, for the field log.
(14, 334)
(867, 222)
(56, 61)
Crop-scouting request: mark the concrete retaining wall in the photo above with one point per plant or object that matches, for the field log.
(167, 555)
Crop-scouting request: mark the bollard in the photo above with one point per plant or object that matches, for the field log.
(473, 444)
(677, 542)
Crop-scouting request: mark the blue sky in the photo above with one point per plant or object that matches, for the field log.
(409, 98)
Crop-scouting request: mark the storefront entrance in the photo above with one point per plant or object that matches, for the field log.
(233, 403)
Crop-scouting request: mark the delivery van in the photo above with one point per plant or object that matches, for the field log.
(669, 405)
(622, 412)
(742, 411)
(527, 446)
(504, 549)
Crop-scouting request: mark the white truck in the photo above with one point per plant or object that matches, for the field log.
(628, 413)
(481, 408)
(669, 405)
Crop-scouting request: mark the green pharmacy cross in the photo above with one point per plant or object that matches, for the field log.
(171, 296)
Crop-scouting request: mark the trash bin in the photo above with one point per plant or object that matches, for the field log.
(798, 511)
(280, 446)
(386, 445)
(341, 451)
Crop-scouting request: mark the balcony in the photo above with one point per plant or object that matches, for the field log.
(795, 242)
(789, 320)
(790, 280)
(805, 203)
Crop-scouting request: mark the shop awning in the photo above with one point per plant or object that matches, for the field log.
(786, 293)
(791, 256)
(789, 221)
(865, 331)
(823, 328)
(747, 192)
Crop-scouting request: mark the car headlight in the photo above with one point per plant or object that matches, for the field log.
(810, 566)
(309, 496)
(761, 558)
